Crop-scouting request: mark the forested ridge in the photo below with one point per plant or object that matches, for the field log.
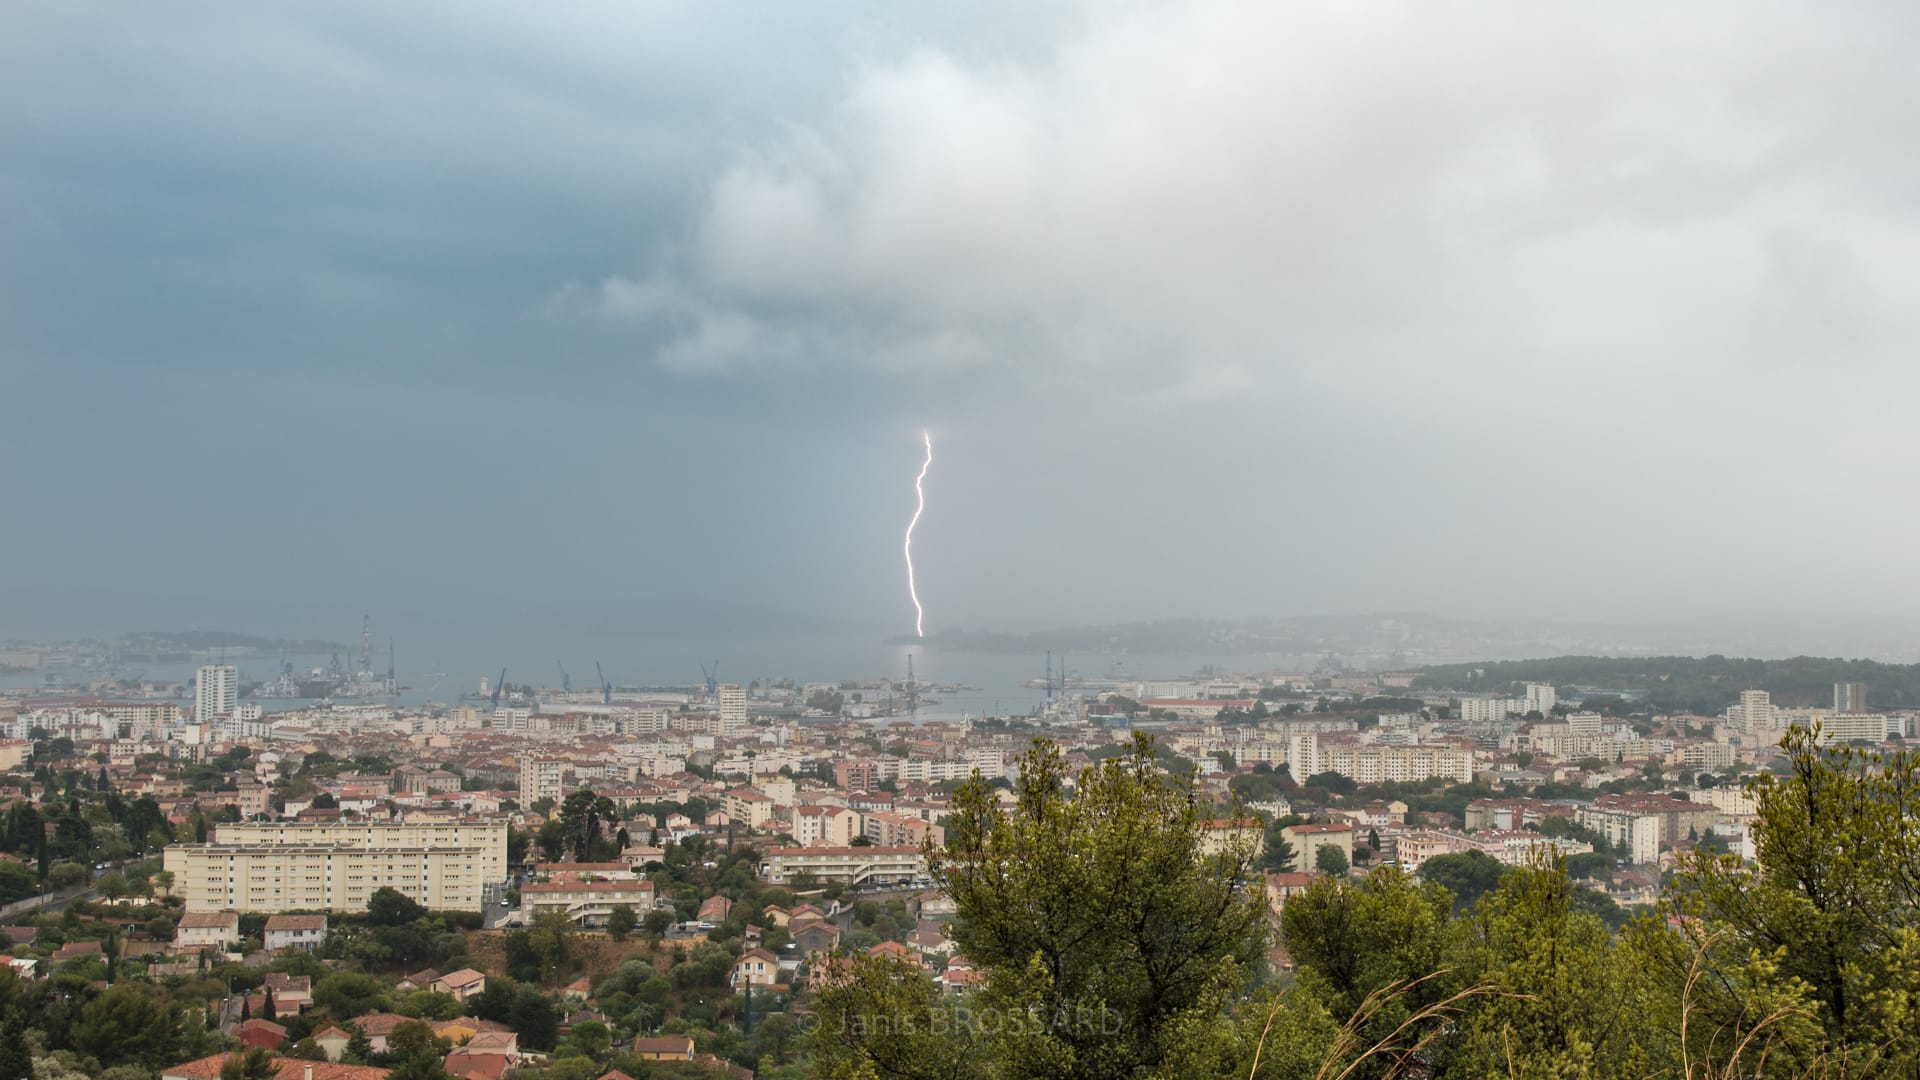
(1686, 684)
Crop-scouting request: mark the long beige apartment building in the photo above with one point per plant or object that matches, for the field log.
(336, 866)
(844, 865)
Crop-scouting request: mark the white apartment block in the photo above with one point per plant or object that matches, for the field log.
(1584, 724)
(1376, 764)
(1854, 727)
(1489, 710)
(489, 836)
(641, 721)
(216, 690)
(733, 709)
(826, 826)
(1633, 833)
(1710, 756)
(1730, 801)
(1540, 698)
(540, 778)
(1754, 712)
(298, 877)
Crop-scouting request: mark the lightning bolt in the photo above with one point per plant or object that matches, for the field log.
(919, 614)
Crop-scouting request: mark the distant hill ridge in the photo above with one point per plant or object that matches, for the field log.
(1703, 685)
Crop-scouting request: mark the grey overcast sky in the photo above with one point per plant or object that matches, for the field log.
(548, 311)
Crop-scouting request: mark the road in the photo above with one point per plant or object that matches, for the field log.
(492, 914)
(53, 902)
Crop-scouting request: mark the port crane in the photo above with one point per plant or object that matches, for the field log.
(566, 680)
(712, 675)
(499, 686)
(606, 688)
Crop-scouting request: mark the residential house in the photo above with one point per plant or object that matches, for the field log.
(932, 904)
(332, 1041)
(755, 967)
(264, 1034)
(463, 984)
(641, 854)
(715, 909)
(663, 1048)
(1307, 840)
(292, 994)
(1283, 885)
(419, 980)
(469, 1065)
(486, 1056)
(377, 1026)
(76, 950)
(814, 936)
(295, 932)
(461, 1029)
(930, 937)
(960, 976)
(207, 929)
(1245, 836)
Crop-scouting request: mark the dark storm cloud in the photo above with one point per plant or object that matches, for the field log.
(1213, 308)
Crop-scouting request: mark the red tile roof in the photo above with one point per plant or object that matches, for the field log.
(208, 1068)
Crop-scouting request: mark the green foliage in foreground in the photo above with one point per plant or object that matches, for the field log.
(1116, 943)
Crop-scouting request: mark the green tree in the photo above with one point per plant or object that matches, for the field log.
(112, 885)
(391, 907)
(348, 994)
(1330, 860)
(411, 1036)
(16, 1061)
(420, 1065)
(657, 923)
(591, 1038)
(1565, 1000)
(430, 1004)
(254, 1064)
(583, 818)
(1100, 914)
(1277, 853)
(534, 1019)
(1352, 939)
(1831, 910)
(130, 1025)
(879, 1018)
(359, 1049)
(65, 875)
(1468, 876)
(620, 922)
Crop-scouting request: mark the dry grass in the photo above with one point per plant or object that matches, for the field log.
(1403, 1044)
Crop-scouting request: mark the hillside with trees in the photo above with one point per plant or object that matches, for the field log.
(1685, 684)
